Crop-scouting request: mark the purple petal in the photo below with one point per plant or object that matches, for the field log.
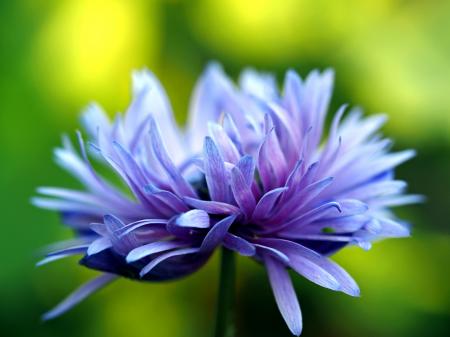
(217, 233)
(242, 192)
(169, 199)
(99, 245)
(212, 207)
(179, 184)
(315, 267)
(247, 167)
(215, 173)
(305, 262)
(213, 95)
(313, 214)
(239, 245)
(267, 202)
(228, 150)
(65, 206)
(121, 243)
(132, 226)
(94, 118)
(156, 103)
(267, 250)
(195, 218)
(394, 229)
(272, 165)
(284, 295)
(152, 248)
(154, 263)
(79, 295)
(130, 166)
(343, 224)
(62, 253)
(399, 200)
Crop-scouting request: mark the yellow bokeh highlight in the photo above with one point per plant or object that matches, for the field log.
(276, 31)
(87, 48)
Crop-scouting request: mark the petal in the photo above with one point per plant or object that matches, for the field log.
(62, 253)
(179, 184)
(99, 245)
(284, 295)
(152, 248)
(272, 166)
(212, 207)
(195, 218)
(315, 267)
(216, 234)
(242, 192)
(247, 167)
(238, 244)
(94, 118)
(227, 148)
(213, 95)
(156, 103)
(267, 202)
(155, 262)
(79, 295)
(394, 229)
(169, 199)
(215, 173)
(267, 250)
(122, 243)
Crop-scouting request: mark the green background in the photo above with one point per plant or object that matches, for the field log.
(389, 56)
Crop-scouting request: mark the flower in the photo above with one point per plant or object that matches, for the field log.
(253, 172)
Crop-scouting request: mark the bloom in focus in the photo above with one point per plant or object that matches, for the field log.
(255, 170)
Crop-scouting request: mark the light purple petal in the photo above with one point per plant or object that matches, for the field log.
(272, 166)
(215, 173)
(99, 245)
(156, 103)
(392, 228)
(227, 148)
(195, 218)
(247, 167)
(284, 295)
(242, 192)
(152, 248)
(154, 263)
(179, 184)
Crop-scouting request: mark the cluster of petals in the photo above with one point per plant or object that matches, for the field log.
(256, 170)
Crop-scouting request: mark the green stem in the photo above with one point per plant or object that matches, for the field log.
(225, 304)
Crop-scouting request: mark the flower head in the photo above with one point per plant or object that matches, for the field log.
(253, 171)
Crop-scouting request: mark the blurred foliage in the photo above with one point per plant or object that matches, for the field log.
(57, 56)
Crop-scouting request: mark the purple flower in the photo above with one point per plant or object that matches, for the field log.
(253, 171)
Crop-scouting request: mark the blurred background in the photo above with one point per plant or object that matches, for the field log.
(389, 56)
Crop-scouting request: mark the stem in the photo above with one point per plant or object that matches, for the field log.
(225, 304)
